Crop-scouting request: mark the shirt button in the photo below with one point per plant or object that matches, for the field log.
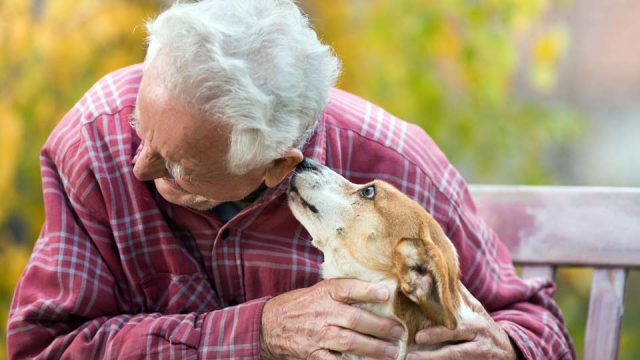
(224, 234)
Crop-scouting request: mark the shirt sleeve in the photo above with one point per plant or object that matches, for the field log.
(524, 308)
(67, 303)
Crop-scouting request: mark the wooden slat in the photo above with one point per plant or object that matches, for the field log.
(602, 337)
(533, 271)
(564, 225)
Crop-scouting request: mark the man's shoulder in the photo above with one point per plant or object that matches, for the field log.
(96, 128)
(374, 134)
(110, 94)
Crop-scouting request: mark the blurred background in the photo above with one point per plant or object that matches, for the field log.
(514, 91)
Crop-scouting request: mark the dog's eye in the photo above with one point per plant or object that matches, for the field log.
(368, 193)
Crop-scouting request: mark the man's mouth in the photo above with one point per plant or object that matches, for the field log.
(294, 190)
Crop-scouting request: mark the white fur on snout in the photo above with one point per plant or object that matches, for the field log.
(328, 193)
(325, 191)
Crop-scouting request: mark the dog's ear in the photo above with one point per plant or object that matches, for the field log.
(427, 271)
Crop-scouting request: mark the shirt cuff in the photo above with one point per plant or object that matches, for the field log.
(519, 339)
(233, 332)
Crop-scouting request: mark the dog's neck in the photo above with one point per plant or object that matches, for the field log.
(398, 307)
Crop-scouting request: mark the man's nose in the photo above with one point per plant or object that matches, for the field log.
(147, 167)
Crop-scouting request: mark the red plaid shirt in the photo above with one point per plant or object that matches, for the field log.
(119, 272)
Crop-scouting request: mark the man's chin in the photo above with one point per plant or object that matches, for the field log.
(181, 198)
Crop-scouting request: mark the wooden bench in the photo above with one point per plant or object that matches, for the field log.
(546, 226)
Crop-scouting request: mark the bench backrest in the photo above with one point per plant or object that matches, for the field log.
(549, 226)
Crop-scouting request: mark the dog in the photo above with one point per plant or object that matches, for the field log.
(373, 232)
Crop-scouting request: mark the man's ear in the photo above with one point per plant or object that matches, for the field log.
(278, 169)
(429, 277)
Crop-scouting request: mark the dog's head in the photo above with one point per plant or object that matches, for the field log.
(372, 232)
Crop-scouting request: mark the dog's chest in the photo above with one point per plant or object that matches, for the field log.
(333, 267)
(338, 263)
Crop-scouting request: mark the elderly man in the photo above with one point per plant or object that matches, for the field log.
(172, 238)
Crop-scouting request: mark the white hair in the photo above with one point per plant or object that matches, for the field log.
(255, 64)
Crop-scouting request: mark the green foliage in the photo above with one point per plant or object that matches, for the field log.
(449, 66)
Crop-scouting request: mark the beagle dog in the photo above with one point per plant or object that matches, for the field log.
(375, 233)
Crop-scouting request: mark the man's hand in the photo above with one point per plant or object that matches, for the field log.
(319, 323)
(476, 337)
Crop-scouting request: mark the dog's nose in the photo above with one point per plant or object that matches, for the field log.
(307, 165)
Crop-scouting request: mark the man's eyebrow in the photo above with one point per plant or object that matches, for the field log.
(176, 171)
(133, 119)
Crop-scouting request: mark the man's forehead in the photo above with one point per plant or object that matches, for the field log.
(183, 136)
(157, 99)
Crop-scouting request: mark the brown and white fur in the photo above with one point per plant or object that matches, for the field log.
(386, 239)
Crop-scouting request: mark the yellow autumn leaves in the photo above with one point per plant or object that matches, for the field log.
(10, 139)
(50, 52)
(548, 49)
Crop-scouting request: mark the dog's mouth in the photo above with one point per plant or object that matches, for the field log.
(293, 191)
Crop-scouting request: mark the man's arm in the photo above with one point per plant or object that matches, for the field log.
(69, 303)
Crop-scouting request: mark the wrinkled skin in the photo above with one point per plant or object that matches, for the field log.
(319, 323)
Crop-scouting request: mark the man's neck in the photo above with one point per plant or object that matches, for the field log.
(253, 196)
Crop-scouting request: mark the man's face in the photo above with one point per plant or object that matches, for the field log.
(173, 133)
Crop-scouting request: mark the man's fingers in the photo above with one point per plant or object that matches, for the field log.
(344, 340)
(364, 322)
(439, 334)
(322, 354)
(468, 350)
(351, 291)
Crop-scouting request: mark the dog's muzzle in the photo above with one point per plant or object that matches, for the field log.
(304, 166)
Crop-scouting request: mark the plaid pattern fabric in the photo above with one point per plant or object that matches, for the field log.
(119, 272)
